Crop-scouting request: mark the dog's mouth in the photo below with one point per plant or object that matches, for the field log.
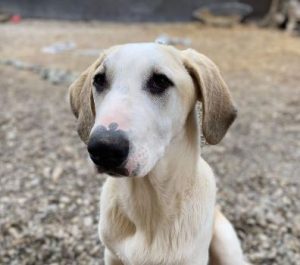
(117, 172)
(111, 169)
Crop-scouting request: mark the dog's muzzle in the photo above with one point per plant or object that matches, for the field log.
(109, 149)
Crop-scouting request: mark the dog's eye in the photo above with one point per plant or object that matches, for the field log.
(158, 83)
(100, 82)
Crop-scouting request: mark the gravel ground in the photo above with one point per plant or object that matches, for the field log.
(49, 194)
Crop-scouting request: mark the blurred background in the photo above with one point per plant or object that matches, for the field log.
(49, 194)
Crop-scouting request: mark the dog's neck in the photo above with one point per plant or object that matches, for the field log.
(157, 197)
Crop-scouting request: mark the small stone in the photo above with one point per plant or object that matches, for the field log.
(88, 221)
(57, 172)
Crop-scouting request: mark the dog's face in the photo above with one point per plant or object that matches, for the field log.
(136, 98)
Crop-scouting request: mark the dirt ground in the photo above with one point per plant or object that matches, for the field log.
(49, 194)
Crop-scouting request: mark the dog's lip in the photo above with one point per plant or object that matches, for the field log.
(118, 172)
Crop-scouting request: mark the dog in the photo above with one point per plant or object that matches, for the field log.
(136, 112)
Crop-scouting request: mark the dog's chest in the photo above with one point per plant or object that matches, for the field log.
(137, 249)
(178, 235)
(167, 245)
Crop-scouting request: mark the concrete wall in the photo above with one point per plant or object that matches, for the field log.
(115, 10)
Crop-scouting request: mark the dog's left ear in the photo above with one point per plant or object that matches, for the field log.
(82, 102)
(219, 110)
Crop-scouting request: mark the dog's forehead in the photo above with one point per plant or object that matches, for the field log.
(141, 56)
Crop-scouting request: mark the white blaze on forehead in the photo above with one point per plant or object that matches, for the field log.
(138, 60)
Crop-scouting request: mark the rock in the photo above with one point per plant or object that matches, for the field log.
(57, 172)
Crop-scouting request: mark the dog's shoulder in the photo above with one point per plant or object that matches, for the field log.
(206, 179)
(204, 170)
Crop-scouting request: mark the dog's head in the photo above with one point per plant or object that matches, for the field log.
(135, 99)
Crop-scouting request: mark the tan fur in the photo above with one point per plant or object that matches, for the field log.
(168, 217)
(81, 101)
(218, 108)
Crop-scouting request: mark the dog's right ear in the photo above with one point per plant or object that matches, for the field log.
(82, 102)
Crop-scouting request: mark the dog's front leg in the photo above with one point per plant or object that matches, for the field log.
(110, 258)
(225, 248)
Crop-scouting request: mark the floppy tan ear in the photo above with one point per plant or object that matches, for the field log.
(82, 102)
(219, 110)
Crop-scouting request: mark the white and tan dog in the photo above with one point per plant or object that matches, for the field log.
(136, 112)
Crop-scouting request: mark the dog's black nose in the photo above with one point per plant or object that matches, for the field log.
(109, 148)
